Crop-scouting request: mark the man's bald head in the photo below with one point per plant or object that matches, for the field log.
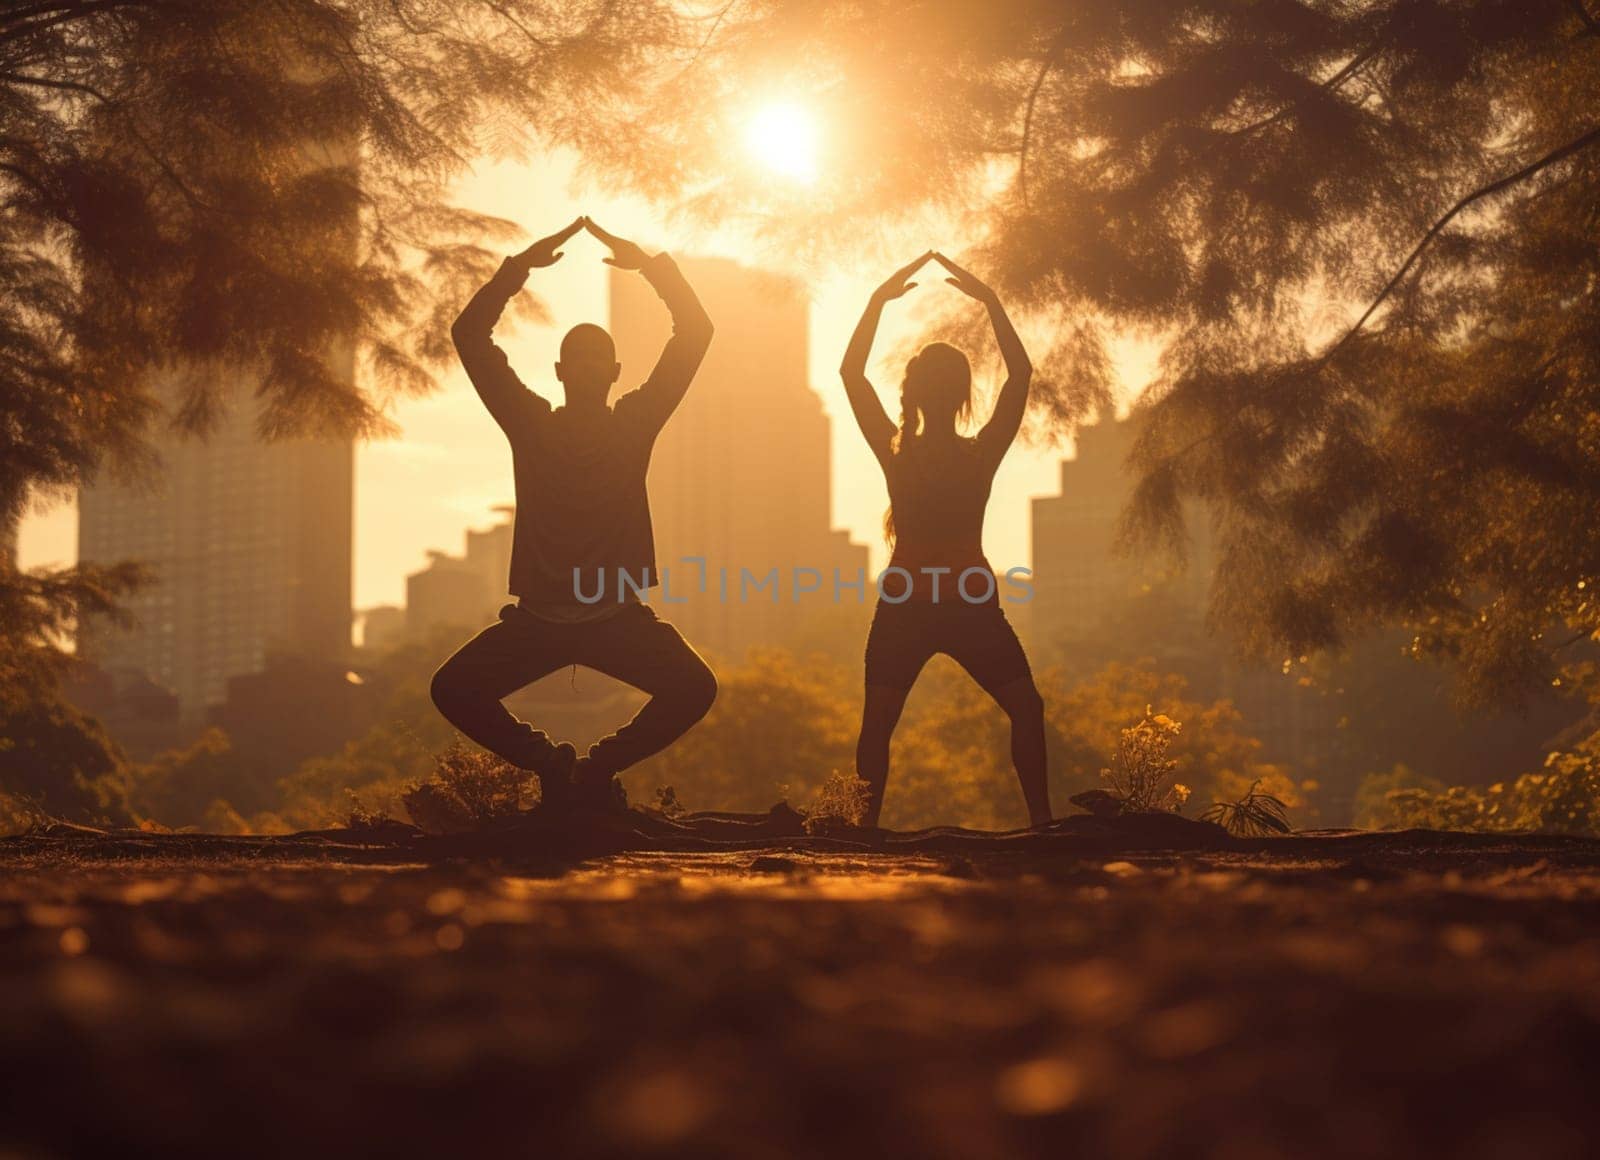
(588, 363)
(586, 341)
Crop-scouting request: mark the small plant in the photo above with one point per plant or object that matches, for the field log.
(667, 802)
(1255, 815)
(841, 803)
(469, 788)
(361, 816)
(1140, 775)
(21, 813)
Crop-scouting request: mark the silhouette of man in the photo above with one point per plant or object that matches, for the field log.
(582, 514)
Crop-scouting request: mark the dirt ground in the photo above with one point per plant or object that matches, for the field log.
(1325, 995)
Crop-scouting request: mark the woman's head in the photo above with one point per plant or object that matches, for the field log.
(937, 389)
(936, 392)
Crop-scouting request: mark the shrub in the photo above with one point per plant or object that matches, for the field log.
(1376, 803)
(468, 789)
(841, 804)
(20, 813)
(1141, 772)
(667, 802)
(58, 761)
(1561, 798)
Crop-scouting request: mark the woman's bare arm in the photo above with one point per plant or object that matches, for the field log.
(874, 422)
(1011, 404)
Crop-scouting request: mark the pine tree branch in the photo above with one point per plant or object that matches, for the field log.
(40, 17)
(24, 176)
(705, 41)
(1582, 634)
(1527, 171)
(1332, 84)
(1553, 157)
(511, 18)
(1045, 66)
(188, 194)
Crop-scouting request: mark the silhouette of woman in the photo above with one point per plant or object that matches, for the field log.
(939, 593)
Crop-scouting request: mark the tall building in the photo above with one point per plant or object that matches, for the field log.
(249, 544)
(742, 473)
(1086, 593)
(463, 591)
(382, 626)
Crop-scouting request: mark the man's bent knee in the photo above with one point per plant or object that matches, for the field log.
(698, 691)
(448, 691)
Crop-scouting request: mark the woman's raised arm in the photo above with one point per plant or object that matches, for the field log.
(874, 422)
(1012, 402)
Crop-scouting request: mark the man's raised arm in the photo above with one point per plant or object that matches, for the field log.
(691, 326)
(502, 392)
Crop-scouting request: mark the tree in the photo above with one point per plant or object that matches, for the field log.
(182, 787)
(57, 762)
(198, 186)
(1364, 231)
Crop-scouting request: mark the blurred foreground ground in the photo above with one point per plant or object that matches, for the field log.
(1408, 995)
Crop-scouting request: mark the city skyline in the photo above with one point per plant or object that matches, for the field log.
(447, 469)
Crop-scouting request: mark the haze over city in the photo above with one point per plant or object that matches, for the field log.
(447, 468)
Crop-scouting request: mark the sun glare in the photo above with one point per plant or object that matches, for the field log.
(784, 138)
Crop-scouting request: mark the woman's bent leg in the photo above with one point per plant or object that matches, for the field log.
(879, 715)
(987, 647)
(1021, 701)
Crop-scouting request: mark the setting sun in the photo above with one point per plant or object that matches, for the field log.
(784, 138)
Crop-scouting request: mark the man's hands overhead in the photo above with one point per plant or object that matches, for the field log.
(547, 251)
(625, 255)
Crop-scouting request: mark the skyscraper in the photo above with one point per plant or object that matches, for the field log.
(742, 474)
(1080, 582)
(249, 544)
(464, 591)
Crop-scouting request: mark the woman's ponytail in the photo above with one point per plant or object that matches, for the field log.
(910, 428)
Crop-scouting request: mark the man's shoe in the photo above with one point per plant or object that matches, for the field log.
(595, 789)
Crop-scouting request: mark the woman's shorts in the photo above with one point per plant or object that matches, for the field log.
(977, 636)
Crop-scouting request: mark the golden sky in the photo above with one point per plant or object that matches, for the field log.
(450, 466)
